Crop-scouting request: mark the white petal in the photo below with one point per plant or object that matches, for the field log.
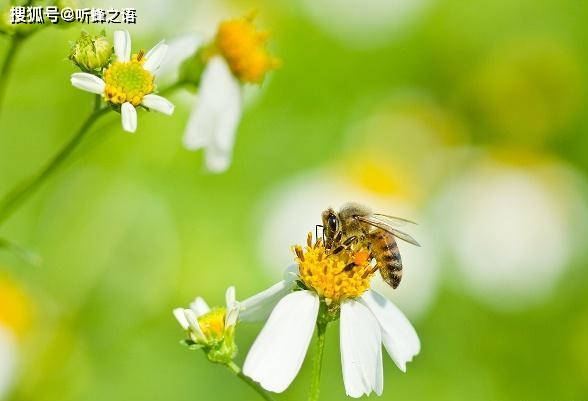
(232, 315)
(278, 352)
(88, 82)
(200, 307)
(122, 45)
(216, 114)
(361, 350)
(181, 318)
(230, 296)
(158, 103)
(129, 117)
(193, 323)
(232, 307)
(155, 56)
(399, 337)
(179, 49)
(217, 160)
(258, 307)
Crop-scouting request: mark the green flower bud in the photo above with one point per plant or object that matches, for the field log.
(91, 53)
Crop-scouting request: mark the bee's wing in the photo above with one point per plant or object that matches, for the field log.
(392, 220)
(372, 221)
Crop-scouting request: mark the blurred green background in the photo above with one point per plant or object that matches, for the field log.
(133, 226)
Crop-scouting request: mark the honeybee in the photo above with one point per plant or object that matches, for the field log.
(355, 223)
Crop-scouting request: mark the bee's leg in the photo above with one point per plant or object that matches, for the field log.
(338, 249)
(373, 269)
(350, 241)
(348, 267)
(346, 245)
(370, 272)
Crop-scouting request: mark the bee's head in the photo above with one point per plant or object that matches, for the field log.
(331, 225)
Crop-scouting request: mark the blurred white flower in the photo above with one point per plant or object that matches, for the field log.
(294, 207)
(512, 226)
(129, 81)
(236, 56)
(213, 122)
(367, 320)
(211, 329)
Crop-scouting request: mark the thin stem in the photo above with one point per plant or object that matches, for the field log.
(18, 195)
(13, 46)
(321, 329)
(237, 372)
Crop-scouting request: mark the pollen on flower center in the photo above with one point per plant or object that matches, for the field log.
(335, 277)
(212, 324)
(128, 81)
(244, 49)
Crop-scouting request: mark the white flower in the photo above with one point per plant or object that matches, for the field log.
(513, 222)
(211, 329)
(367, 321)
(216, 115)
(236, 56)
(129, 81)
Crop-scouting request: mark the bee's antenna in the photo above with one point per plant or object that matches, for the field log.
(316, 231)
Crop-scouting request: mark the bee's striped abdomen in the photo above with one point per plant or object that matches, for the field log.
(387, 256)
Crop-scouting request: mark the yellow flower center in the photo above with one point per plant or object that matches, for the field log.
(244, 49)
(212, 324)
(334, 277)
(128, 81)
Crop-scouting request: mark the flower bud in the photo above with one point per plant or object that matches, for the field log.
(91, 53)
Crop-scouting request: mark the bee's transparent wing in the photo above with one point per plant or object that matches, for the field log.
(393, 220)
(373, 221)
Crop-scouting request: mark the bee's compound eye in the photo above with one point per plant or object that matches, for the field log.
(332, 222)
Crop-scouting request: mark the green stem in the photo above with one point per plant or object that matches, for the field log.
(13, 46)
(237, 372)
(321, 329)
(18, 195)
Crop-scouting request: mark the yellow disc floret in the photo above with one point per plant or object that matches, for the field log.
(212, 324)
(128, 81)
(244, 49)
(335, 277)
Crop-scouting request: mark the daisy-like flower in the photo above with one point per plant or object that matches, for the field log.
(341, 283)
(212, 330)
(129, 81)
(236, 56)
